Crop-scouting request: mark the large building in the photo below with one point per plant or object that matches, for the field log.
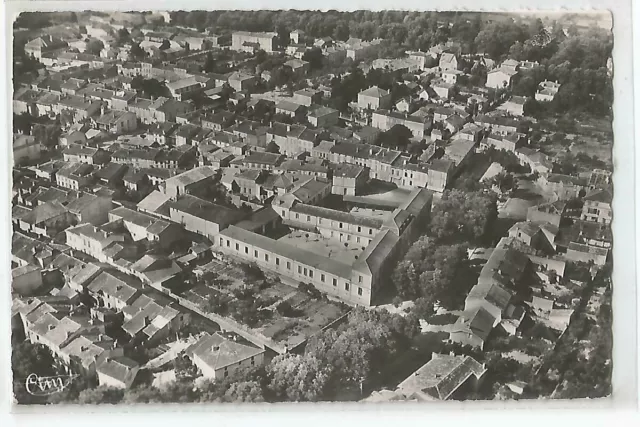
(355, 280)
(242, 40)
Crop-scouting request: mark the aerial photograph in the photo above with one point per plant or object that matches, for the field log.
(269, 206)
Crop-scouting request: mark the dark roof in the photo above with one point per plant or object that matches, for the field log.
(206, 210)
(602, 196)
(337, 215)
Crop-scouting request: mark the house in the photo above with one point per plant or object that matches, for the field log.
(84, 154)
(44, 44)
(241, 81)
(323, 116)
(142, 226)
(75, 176)
(514, 105)
(511, 65)
(189, 181)
(264, 41)
(117, 122)
(385, 120)
(547, 91)
(578, 252)
(472, 328)
(25, 149)
(348, 180)
(454, 123)
(307, 97)
(298, 66)
(218, 357)
(251, 132)
(597, 207)
(46, 219)
(551, 213)
(442, 89)
(112, 292)
(261, 160)
(291, 109)
(444, 377)
(374, 98)
(450, 76)
(89, 208)
(26, 280)
(500, 78)
(564, 186)
(201, 216)
(184, 89)
(118, 372)
(448, 61)
(530, 234)
(536, 160)
(111, 174)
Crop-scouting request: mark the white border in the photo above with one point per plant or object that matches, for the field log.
(625, 369)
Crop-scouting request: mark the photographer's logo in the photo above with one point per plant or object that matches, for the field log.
(44, 386)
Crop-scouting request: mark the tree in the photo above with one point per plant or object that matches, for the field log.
(95, 46)
(22, 123)
(27, 359)
(298, 378)
(137, 52)
(462, 215)
(504, 181)
(101, 395)
(47, 135)
(397, 137)
(314, 57)
(245, 391)
(209, 63)
(142, 394)
(496, 38)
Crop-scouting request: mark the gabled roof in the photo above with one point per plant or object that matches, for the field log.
(441, 376)
(218, 352)
(374, 92)
(602, 196)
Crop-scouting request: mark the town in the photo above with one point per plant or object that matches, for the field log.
(269, 206)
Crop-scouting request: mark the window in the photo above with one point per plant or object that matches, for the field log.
(360, 291)
(322, 277)
(299, 270)
(308, 218)
(246, 250)
(358, 239)
(288, 265)
(221, 240)
(277, 261)
(346, 286)
(228, 243)
(266, 257)
(255, 254)
(305, 271)
(335, 282)
(226, 373)
(237, 246)
(297, 216)
(371, 231)
(359, 229)
(311, 273)
(340, 225)
(359, 279)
